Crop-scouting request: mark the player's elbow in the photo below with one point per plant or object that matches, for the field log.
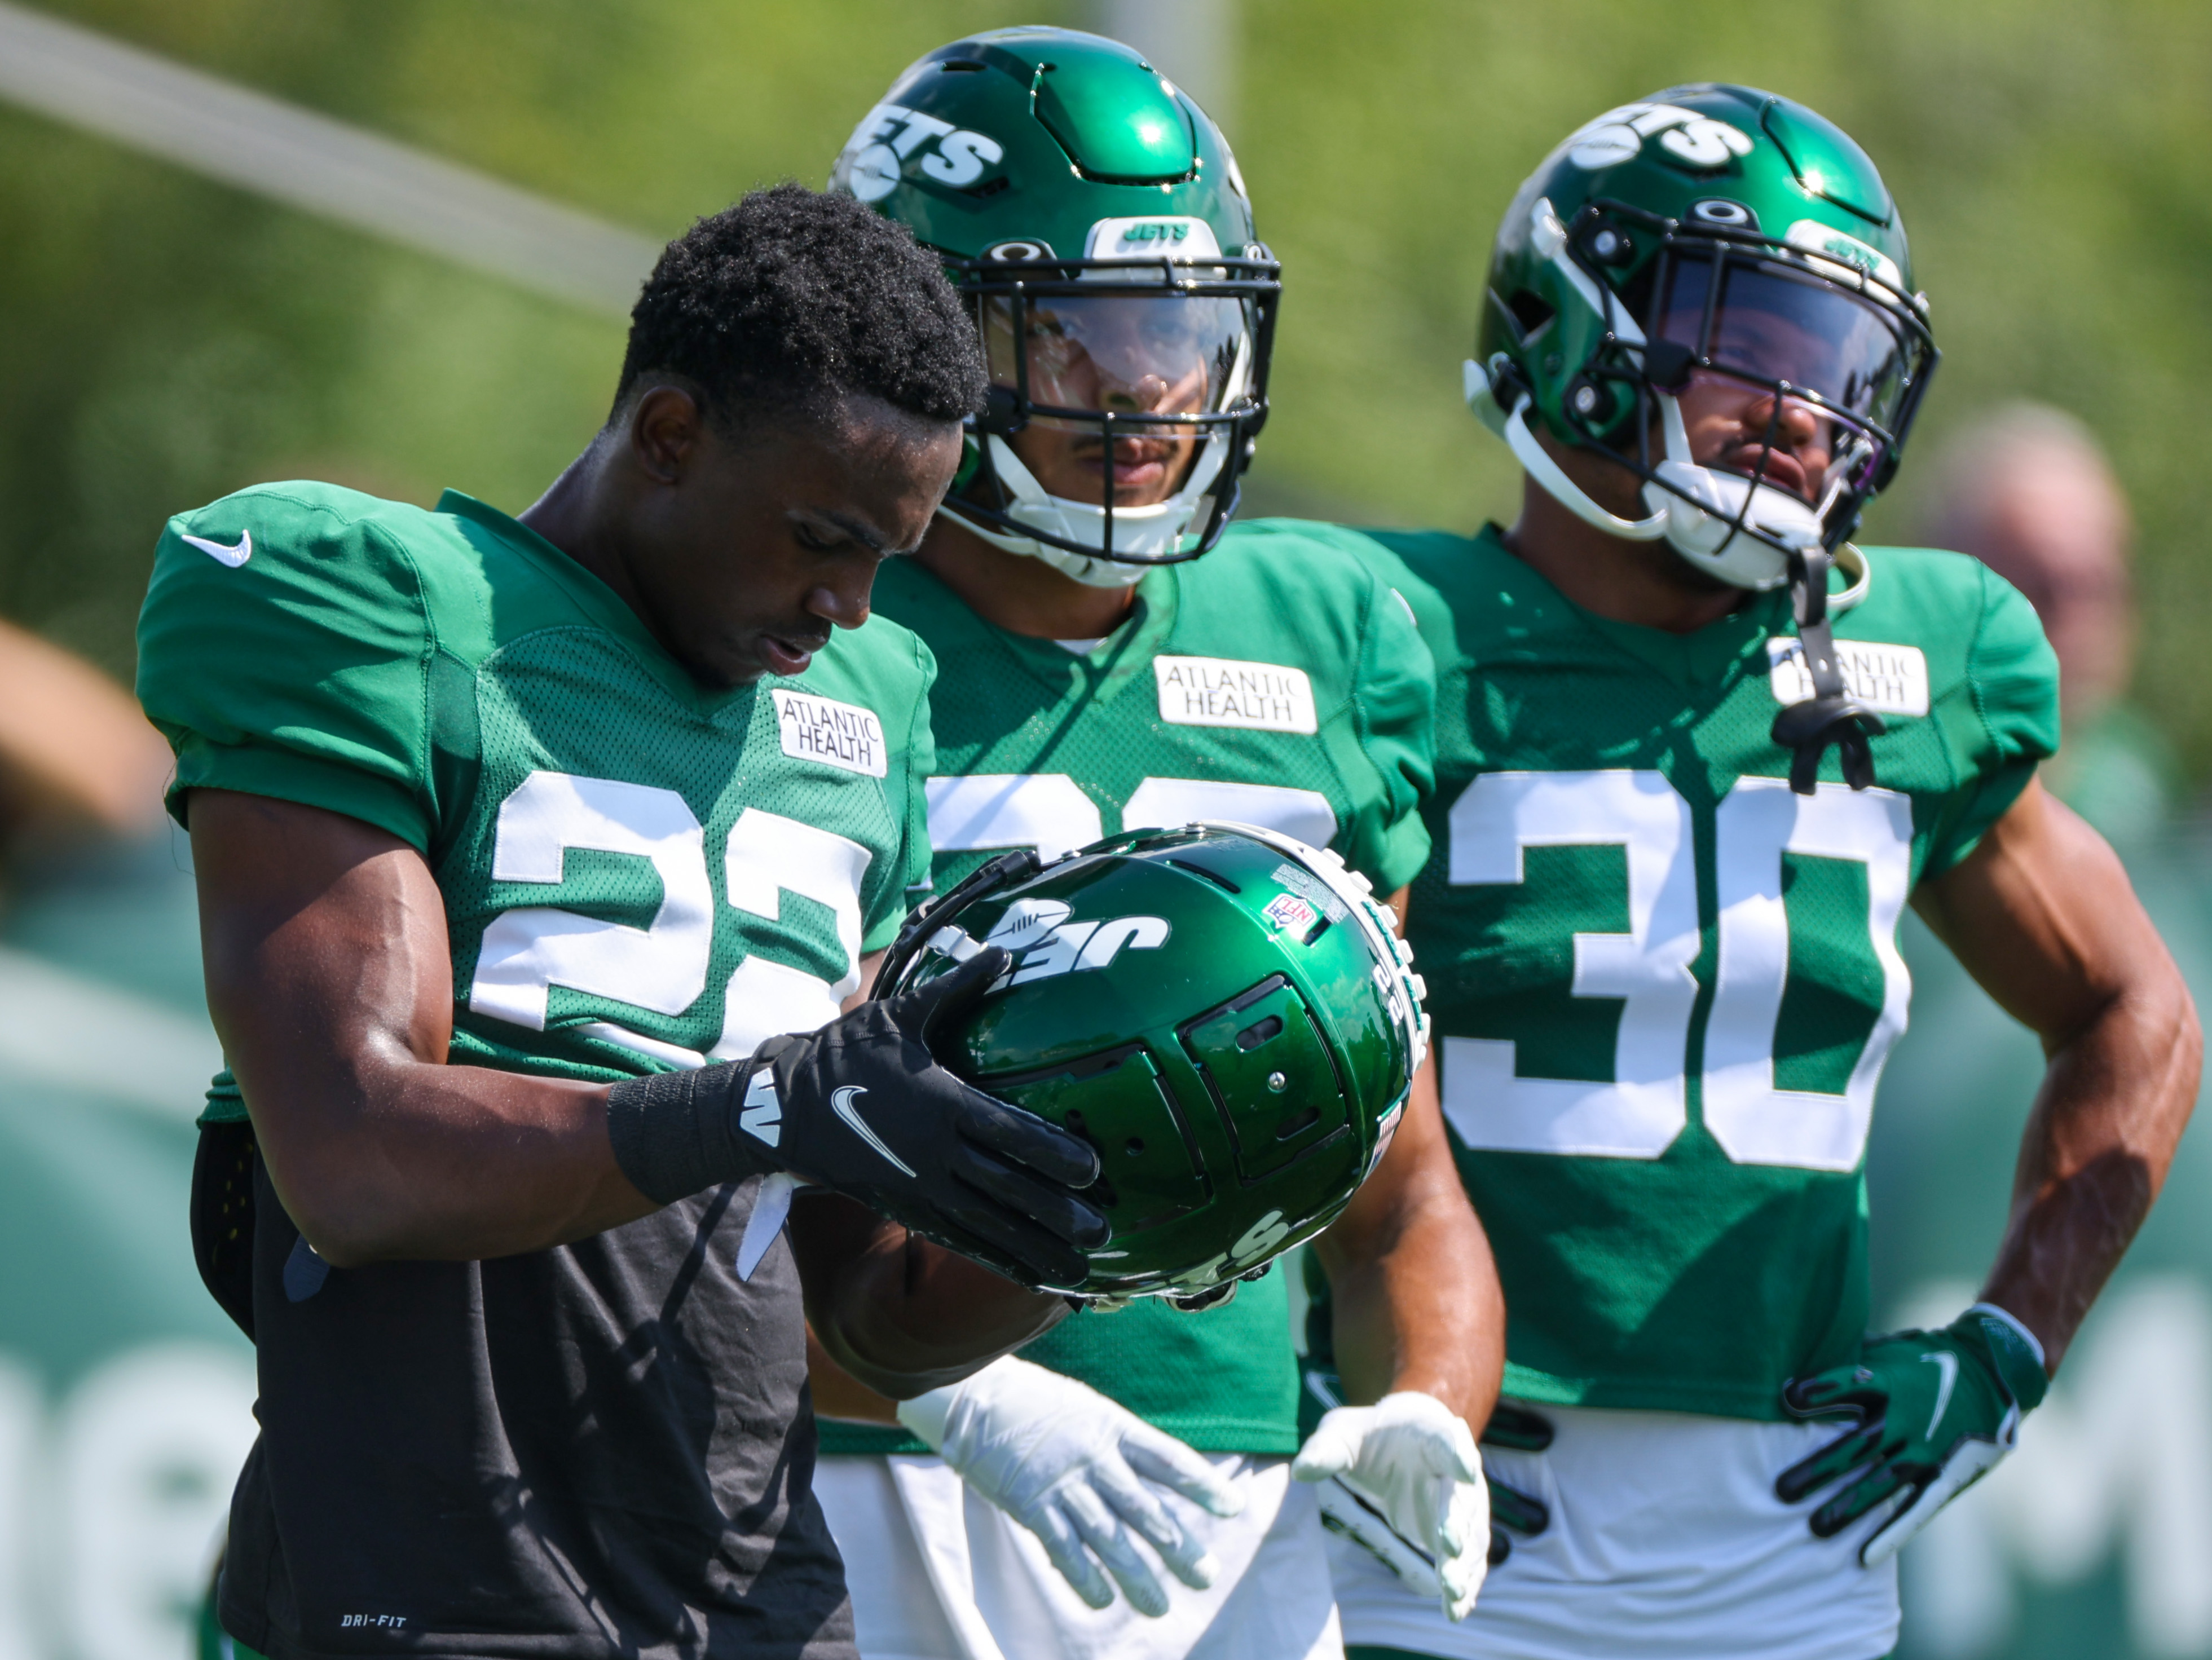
(2154, 1004)
(2179, 1036)
(343, 1235)
(341, 1217)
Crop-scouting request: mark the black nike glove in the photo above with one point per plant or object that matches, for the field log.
(862, 1108)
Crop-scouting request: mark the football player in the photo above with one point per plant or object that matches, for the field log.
(1107, 668)
(518, 841)
(1696, 752)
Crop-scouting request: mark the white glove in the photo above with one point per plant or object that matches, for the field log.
(1073, 1468)
(1413, 1459)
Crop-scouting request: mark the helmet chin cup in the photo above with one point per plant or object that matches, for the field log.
(1143, 536)
(1703, 509)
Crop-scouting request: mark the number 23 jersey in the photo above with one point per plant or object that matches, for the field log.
(1663, 984)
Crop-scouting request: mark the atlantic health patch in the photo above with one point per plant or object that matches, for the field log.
(1261, 697)
(841, 735)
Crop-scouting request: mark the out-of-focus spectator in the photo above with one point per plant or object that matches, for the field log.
(2029, 492)
(75, 748)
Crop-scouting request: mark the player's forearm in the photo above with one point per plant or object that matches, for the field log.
(1414, 1295)
(900, 1316)
(2115, 1100)
(436, 1162)
(1427, 1316)
(2042, 916)
(329, 980)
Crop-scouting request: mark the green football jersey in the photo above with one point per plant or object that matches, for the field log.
(1291, 693)
(638, 873)
(1662, 984)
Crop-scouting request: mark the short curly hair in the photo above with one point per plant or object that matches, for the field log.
(791, 301)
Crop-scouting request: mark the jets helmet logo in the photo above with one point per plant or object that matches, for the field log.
(891, 135)
(1618, 136)
(1046, 942)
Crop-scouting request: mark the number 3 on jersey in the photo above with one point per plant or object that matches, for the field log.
(1640, 1111)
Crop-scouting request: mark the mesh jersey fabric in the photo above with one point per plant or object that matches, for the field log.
(1111, 740)
(1662, 986)
(636, 873)
(416, 670)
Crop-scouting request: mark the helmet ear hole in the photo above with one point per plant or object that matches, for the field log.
(1530, 314)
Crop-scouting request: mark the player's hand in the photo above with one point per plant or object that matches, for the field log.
(1516, 1429)
(1413, 1459)
(1936, 1410)
(862, 1108)
(1511, 1511)
(1081, 1472)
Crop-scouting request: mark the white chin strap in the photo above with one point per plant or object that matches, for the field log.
(1142, 533)
(1699, 524)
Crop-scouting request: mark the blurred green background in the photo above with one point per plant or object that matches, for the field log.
(164, 340)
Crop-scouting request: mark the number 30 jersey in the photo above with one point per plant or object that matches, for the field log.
(521, 1456)
(1287, 689)
(1664, 985)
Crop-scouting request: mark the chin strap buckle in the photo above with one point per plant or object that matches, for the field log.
(1831, 715)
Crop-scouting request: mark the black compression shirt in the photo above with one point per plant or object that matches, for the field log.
(598, 1451)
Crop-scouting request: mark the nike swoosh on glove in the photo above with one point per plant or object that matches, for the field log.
(1082, 1472)
(1936, 1411)
(1415, 1460)
(862, 1108)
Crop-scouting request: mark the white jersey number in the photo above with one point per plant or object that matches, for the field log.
(1639, 1114)
(1049, 812)
(662, 968)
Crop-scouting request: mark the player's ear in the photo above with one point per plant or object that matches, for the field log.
(665, 428)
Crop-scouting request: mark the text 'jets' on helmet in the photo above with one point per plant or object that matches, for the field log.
(1721, 235)
(1222, 1011)
(1095, 220)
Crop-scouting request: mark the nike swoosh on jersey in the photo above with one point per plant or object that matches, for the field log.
(1946, 1363)
(234, 556)
(840, 1102)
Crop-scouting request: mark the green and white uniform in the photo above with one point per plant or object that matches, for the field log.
(1293, 694)
(605, 1438)
(1663, 987)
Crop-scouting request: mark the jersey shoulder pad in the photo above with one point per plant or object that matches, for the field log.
(1315, 565)
(283, 648)
(1982, 641)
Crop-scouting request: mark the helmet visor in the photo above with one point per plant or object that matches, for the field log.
(1769, 325)
(1143, 356)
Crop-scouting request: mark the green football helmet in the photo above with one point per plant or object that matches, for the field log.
(1222, 1011)
(1711, 231)
(1720, 233)
(1095, 219)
